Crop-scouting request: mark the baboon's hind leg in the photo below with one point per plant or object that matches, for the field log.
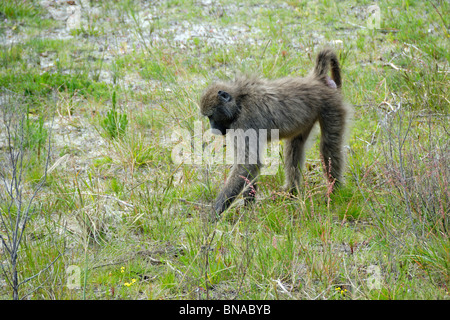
(294, 158)
(332, 125)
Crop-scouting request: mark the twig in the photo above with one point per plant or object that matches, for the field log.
(278, 282)
(390, 64)
(108, 196)
(45, 269)
(204, 205)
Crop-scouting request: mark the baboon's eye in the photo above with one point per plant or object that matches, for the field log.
(224, 96)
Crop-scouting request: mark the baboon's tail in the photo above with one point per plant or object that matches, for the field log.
(325, 58)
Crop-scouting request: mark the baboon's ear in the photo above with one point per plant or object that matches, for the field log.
(224, 96)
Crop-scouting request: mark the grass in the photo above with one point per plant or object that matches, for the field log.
(114, 124)
(16, 9)
(120, 208)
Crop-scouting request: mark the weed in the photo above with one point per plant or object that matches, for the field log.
(36, 134)
(10, 56)
(115, 123)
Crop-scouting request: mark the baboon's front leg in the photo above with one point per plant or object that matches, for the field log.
(238, 179)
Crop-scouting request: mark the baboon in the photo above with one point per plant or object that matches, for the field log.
(292, 105)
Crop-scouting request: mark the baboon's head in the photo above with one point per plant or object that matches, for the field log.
(219, 105)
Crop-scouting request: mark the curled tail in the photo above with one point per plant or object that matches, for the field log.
(325, 58)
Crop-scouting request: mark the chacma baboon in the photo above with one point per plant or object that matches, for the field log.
(291, 105)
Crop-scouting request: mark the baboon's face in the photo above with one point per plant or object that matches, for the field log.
(221, 110)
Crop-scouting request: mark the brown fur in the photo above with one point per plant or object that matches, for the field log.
(292, 105)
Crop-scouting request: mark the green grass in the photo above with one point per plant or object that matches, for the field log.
(41, 85)
(16, 9)
(115, 123)
(117, 199)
